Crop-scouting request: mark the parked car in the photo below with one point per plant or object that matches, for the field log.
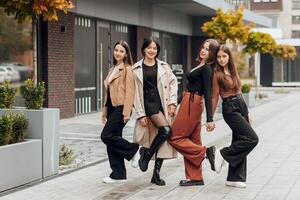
(4, 72)
(25, 72)
(2, 75)
(13, 73)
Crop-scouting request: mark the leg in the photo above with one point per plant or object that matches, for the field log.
(116, 164)
(244, 139)
(112, 135)
(186, 129)
(156, 178)
(238, 173)
(164, 132)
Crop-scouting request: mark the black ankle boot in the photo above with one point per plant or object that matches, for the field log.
(144, 159)
(156, 178)
(164, 133)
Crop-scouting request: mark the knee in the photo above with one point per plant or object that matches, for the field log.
(105, 139)
(254, 141)
(165, 131)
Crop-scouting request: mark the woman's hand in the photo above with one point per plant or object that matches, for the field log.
(210, 126)
(171, 110)
(126, 119)
(104, 119)
(143, 121)
(250, 119)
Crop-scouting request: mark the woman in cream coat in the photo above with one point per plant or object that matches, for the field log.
(155, 104)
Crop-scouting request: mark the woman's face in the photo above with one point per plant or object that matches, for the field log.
(222, 58)
(151, 51)
(119, 53)
(204, 52)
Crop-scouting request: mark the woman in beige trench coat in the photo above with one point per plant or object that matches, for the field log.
(155, 104)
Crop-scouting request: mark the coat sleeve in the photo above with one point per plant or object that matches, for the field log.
(173, 87)
(129, 93)
(138, 107)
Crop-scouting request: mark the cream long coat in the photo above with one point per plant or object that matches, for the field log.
(167, 88)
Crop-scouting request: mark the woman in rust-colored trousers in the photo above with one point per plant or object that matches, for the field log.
(186, 129)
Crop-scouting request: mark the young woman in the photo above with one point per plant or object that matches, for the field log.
(227, 84)
(118, 103)
(155, 104)
(186, 129)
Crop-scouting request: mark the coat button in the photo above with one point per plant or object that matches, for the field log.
(165, 86)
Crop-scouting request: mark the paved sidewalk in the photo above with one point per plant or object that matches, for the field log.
(273, 168)
(82, 133)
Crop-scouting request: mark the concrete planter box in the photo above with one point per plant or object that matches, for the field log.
(249, 99)
(44, 124)
(21, 163)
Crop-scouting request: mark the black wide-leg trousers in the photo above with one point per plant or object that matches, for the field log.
(244, 138)
(117, 147)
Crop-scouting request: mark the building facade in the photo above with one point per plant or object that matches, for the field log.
(76, 52)
(285, 17)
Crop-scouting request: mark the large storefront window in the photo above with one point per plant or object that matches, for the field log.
(289, 72)
(16, 53)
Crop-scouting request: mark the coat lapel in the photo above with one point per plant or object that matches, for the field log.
(160, 70)
(139, 70)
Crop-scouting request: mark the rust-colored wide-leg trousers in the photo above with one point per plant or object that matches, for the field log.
(186, 135)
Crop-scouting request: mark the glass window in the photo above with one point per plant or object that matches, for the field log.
(16, 53)
(296, 19)
(296, 4)
(295, 34)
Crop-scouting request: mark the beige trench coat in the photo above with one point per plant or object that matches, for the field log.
(167, 88)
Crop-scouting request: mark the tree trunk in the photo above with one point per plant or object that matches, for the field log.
(251, 67)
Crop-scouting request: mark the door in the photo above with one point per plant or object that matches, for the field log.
(85, 65)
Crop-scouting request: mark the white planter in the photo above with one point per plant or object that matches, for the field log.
(249, 99)
(21, 163)
(44, 124)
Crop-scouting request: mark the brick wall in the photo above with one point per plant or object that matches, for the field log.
(59, 72)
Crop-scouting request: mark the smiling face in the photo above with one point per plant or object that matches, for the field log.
(222, 58)
(204, 52)
(150, 51)
(119, 53)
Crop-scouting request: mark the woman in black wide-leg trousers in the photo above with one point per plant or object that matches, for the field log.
(227, 84)
(244, 138)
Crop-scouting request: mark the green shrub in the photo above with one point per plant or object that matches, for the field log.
(246, 88)
(20, 125)
(7, 95)
(6, 128)
(34, 94)
(66, 155)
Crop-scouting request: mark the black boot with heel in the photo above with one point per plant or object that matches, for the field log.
(164, 133)
(156, 178)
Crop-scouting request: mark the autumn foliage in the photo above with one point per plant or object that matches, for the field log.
(285, 51)
(24, 9)
(228, 25)
(259, 42)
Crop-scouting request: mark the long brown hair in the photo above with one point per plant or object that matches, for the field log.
(213, 47)
(224, 83)
(128, 58)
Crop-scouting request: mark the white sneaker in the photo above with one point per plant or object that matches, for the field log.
(237, 184)
(135, 159)
(219, 161)
(110, 180)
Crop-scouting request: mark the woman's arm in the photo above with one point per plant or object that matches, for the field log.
(215, 92)
(129, 93)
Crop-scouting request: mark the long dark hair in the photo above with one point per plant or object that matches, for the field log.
(128, 58)
(213, 47)
(147, 42)
(232, 69)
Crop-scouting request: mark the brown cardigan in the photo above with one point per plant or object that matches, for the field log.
(121, 90)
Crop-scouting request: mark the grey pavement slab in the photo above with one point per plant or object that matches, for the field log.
(273, 167)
